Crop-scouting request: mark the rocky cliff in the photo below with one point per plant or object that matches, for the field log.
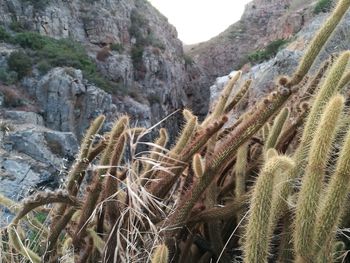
(62, 63)
(263, 22)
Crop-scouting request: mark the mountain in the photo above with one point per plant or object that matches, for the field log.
(62, 63)
(264, 23)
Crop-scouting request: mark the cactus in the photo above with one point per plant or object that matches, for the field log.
(312, 181)
(241, 170)
(333, 203)
(276, 129)
(259, 228)
(160, 255)
(326, 91)
(192, 197)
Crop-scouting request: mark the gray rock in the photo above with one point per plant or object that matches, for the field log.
(43, 145)
(20, 175)
(21, 117)
(68, 103)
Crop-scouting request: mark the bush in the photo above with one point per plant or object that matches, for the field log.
(323, 6)
(20, 62)
(188, 60)
(30, 40)
(4, 36)
(268, 52)
(117, 47)
(38, 4)
(136, 56)
(8, 77)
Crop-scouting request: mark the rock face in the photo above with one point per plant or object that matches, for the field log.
(44, 116)
(68, 103)
(286, 60)
(148, 62)
(263, 21)
(31, 156)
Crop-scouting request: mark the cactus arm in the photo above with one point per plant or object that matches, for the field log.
(312, 181)
(334, 201)
(259, 226)
(276, 129)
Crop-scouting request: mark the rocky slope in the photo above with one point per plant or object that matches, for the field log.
(121, 56)
(44, 114)
(263, 22)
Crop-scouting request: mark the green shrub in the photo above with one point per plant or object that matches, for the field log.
(323, 6)
(188, 60)
(30, 40)
(38, 4)
(4, 35)
(136, 56)
(8, 77)
(20, 62)
(117, 47)
(268, 52)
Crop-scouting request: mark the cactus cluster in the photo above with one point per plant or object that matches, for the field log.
(252, 191)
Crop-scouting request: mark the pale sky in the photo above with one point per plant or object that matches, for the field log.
(200, 20)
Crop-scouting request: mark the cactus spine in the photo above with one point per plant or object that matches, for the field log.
(313, 179)
(241, 169)
(276, 129)
(327, 90)
(334, 202)
(160, 254)
(259, 227)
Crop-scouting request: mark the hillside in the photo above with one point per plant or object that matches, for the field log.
(264, 24)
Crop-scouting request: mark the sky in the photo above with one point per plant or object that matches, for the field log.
(200, 20)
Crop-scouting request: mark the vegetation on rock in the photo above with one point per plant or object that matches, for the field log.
(47, 53)
(185, 202)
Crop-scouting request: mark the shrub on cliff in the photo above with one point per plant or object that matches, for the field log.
(20, 62)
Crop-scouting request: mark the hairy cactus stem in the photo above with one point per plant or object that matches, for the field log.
(227, 149)
(166, 180)
(276, 129)
(160, 143)
(55, 232)
(185, 136)
(112, 208)
(312, 181)
(219, 108)
(82, 160)
(327, 90)
(319, 41)
(237, 98)
(17, 243)
(311, 88)
(259, 228)
(241, 169)
(221, 213)
(113, 149)
(334, 202)
(76, 174)
(160, 254)
(43, 198)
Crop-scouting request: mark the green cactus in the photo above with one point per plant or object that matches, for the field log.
(259, 228)
(313, 179)
(276, 129)
(326, 91)
(333, 203)
(241, 170)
